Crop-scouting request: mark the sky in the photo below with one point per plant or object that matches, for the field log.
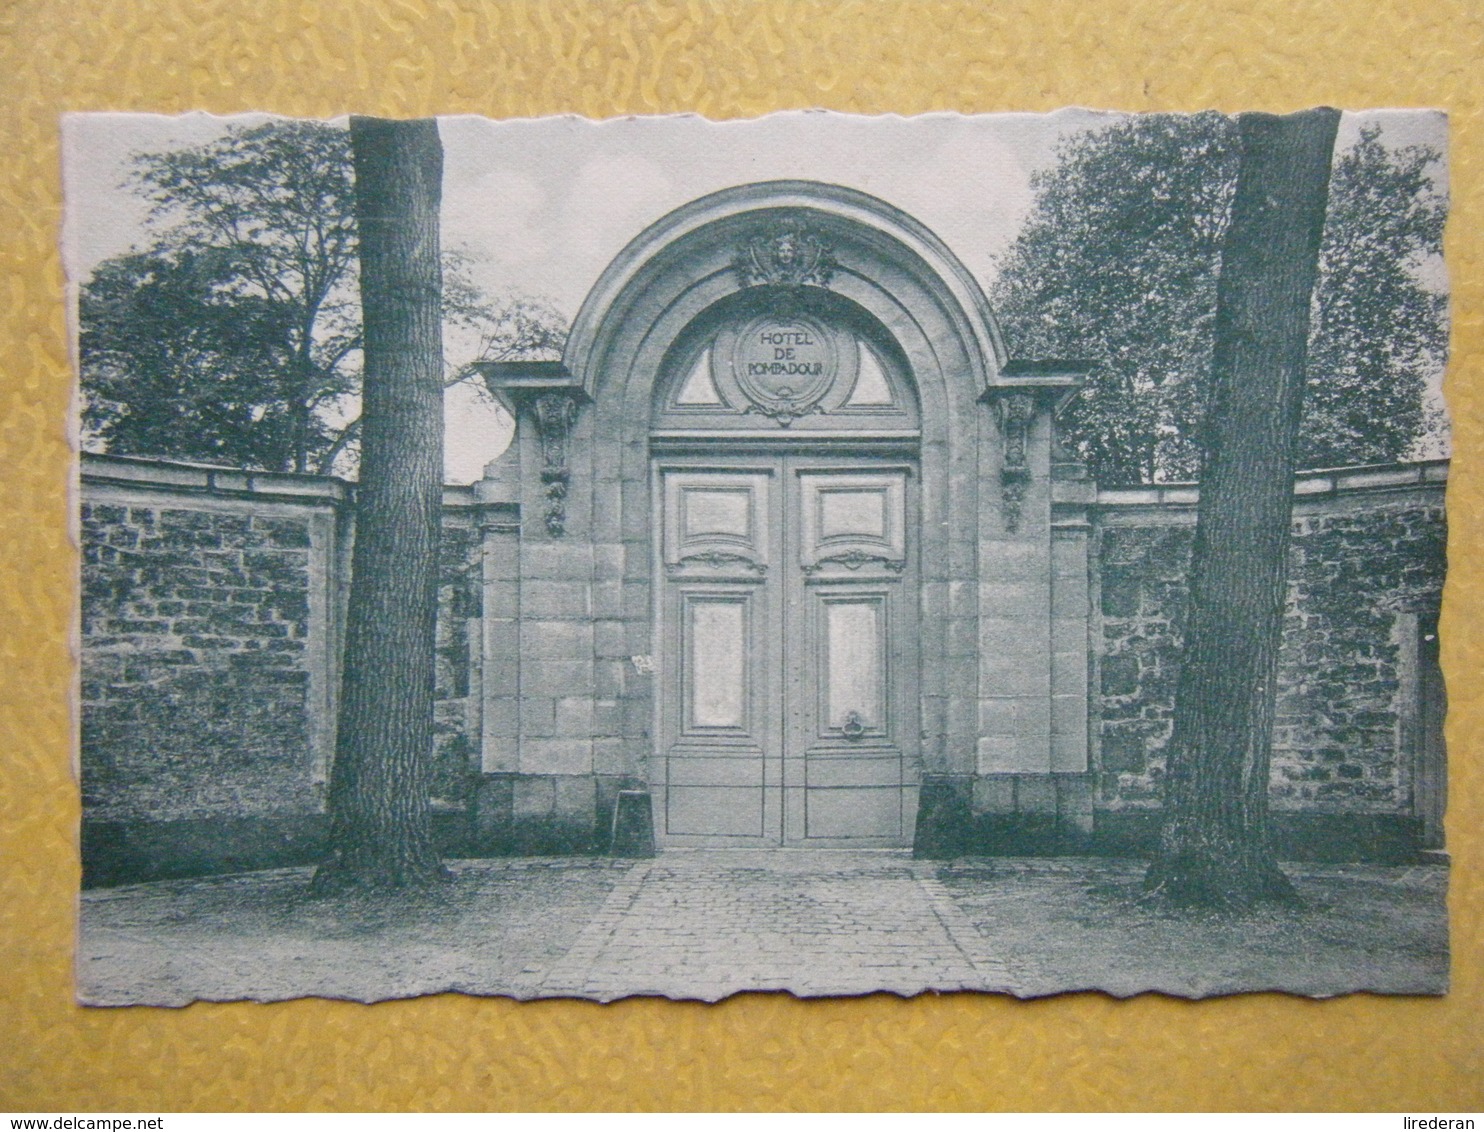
(541, 206)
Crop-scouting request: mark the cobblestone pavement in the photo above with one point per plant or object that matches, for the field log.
(707, 924)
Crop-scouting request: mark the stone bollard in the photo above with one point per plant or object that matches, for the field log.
(633, 825)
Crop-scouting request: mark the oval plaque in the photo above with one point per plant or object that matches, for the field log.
(785, 366)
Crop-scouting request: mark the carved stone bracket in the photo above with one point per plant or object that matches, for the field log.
(1021, 390)
(556, 413)
(1016, 411)
(545, 393)
(790, 255)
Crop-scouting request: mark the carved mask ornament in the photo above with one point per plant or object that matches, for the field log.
(790, 256)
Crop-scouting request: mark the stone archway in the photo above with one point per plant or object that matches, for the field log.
(975, 588)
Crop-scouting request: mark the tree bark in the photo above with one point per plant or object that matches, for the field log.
(1214, 843)
(380, 829)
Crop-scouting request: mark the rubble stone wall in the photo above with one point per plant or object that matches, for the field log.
(1365, 581)
(211, 620)
(196, 666)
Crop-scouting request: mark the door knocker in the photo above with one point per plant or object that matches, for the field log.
(853, 727)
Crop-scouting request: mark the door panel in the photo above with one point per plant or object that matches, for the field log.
(719, 732)
(849, 520)
(854, 815)
(719, 659)
(848, 770)
(719, 520)
(712, 812)
(715, 674)
(852, 668)
(787, 707)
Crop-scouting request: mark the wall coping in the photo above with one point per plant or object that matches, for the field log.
(209, 479)
(1321, 483)
(186, 478)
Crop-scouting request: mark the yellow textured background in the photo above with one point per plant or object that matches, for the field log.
(413, 57)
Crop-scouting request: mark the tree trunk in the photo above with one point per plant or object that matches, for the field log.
(1214, 843)
(380, 829)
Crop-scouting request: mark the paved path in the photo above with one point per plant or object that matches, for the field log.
(707, 924)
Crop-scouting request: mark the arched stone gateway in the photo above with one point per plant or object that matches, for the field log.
(797, 558)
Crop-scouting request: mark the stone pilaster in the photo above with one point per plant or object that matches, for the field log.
(1027, 588)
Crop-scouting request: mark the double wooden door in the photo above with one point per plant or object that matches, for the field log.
(786, 633)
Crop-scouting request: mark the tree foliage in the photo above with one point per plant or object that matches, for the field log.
(1119, 263)
(175, 364)
(246, 299)
(235, 336)
(1377, 330)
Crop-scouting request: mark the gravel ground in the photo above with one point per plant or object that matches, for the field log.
(495, 928)
(1080, 923)
(513, 927)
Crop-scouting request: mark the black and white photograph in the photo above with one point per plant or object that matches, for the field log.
(560, 558)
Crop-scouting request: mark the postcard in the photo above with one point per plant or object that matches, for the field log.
(816, 553)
